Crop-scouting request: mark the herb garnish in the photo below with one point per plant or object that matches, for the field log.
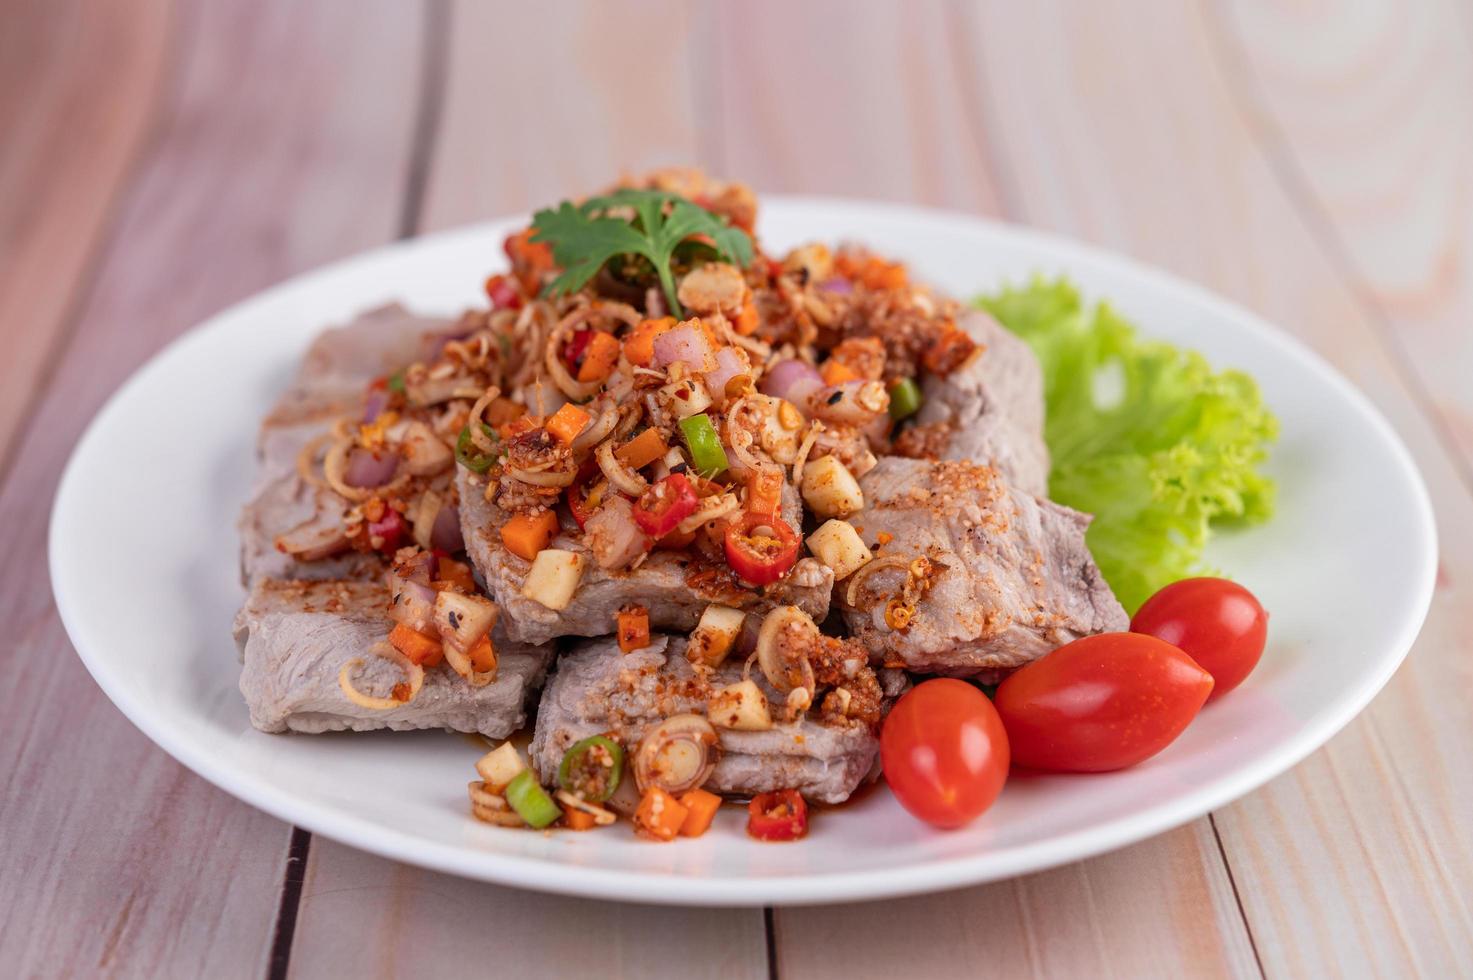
(650, 223)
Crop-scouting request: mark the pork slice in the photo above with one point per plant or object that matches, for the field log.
(991, 411)
(288, 505)
(294, 638)
(334, 372)
(663, 584)
(1011, 575)
(598, 689)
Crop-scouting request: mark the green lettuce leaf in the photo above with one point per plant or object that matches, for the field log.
(1150, 439)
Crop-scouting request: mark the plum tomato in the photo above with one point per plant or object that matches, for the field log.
(1217, 623)
(1100, 703)
(944, 752)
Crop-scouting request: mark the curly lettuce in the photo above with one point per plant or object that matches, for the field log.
(1150, 439)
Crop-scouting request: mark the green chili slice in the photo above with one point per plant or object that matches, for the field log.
(469, 455)
(592, 768)
(531, 801)
(706, 454)
(905, 399)
(396, 382)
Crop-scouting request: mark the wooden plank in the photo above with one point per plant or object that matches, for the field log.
(78, 89)
(284, 143)
(361, 916)
(915, 70)
(1357, 861)
(834, 98)
(551, 100)
(1370, 121)
(1179, 919)
(500, 151)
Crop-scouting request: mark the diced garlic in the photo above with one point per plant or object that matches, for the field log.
(839, 546)
(741, 706)
(715, 635)
(554, 578)
(500, 766)
(829, 489)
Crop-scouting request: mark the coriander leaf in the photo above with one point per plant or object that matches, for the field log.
(631, 221)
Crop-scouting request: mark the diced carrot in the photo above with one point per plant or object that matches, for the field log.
(423, 650)
(950, 351)
(482, 655)
(577, 819)
(837, 372)
(503, 410)
(567, 422)
(764, 491)
(526, 534)
(455, 574)
(634, 628)
(642, 450)
(746, 321)
(702, 806)
(660, 815)
(529, 258)
(514, 428)
(599, 358)
(639, 346)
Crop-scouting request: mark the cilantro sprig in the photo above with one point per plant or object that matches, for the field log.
(631, 221)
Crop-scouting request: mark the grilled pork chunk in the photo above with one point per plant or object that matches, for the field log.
(598, 689)
(294, 638)
(976, 577)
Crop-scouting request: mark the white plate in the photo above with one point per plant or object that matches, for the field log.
(143, 561)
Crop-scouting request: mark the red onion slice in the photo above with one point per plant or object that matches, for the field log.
(791, 380)
(445, 535)
(367, 468)
(838, 285)
(374, 405)
(729, 364)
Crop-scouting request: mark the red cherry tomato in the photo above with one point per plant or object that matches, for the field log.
(1217, 623)
(1100, 703)
(945, 753)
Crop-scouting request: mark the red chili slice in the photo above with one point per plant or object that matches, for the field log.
(761, 558)
(389, 528)
(665, 505)
(779, 815)
(575, 349)
(502, 293)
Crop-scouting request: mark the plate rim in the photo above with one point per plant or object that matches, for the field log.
(838, 887)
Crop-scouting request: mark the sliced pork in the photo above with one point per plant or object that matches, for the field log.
(976, 577)
(598, 689)
(989, 411)
(295, 638)
(675, 587)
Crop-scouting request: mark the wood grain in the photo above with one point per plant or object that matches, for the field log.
(501, 151)
(115, 860)
(1153, 910)
(551, 100)
(78, 90)
(1374, 133)
(364, 916)
(1356, 861)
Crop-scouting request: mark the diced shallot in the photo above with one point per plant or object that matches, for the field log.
(687, 344)
(730, 362)
(792, 381)
(613, 536)
(445, 535)
(370, 468)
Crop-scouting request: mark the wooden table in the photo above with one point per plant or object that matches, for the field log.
(163, 160)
